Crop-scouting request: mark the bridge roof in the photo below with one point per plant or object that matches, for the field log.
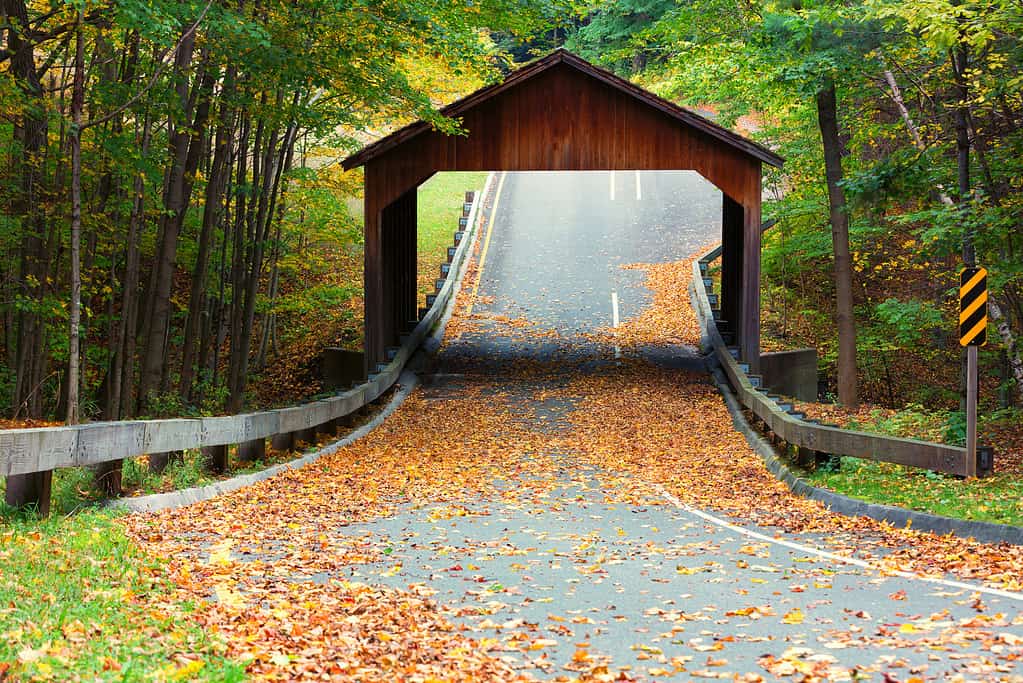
(562, 57)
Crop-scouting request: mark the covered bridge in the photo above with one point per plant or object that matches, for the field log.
(560, 113)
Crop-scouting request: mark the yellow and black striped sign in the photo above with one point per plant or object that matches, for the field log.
(973, 307)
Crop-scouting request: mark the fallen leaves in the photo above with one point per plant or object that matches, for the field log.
(273, 557)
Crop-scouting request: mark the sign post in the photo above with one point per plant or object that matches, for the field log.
(972, 333)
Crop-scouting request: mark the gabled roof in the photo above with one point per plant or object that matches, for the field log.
(562, 56)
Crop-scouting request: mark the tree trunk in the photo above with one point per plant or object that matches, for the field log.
(212, 211)
(77, 103)
(278, 157)
(827, 113)
(1011, 350)
(128, 328)
(186, 143)
(962, 128)
(32, 129)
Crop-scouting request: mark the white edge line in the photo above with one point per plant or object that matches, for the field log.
(832, 556)
(639, 187)
(614, 308)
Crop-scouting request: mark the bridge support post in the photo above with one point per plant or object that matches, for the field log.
(749, 326)
(390, 271)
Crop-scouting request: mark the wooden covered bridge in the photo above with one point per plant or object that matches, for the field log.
(560, 113)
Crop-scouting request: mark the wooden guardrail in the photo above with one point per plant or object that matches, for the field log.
(24, 451)
(812, 441)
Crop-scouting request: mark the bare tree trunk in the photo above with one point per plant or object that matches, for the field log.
(213, 208)
(75, 312)
(962, 129)
(129, 309)
(278, 157)
(32, 129)
(238, 261)
(186, 143)
(827, 113)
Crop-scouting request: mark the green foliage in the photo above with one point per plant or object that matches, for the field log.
(907, 320)
(613, 32)
(318, 297)
(955, 428)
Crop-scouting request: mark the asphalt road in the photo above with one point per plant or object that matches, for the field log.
(560, 240)
(649, 587)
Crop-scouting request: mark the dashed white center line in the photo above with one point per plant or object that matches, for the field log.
(614, 319)
(639, 188)
(612, 185)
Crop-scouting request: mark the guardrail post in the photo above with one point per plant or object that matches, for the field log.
(158, 461)
(328, 428)
(30, 490)
(251, 450)
(306, 436)
(283, 443)
(108, 477)
(215, 458)
(805, 457)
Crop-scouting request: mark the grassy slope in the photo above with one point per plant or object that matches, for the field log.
(997, 499)
(78, 601)
(440, 207)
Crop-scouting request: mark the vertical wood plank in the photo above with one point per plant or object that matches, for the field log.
(750, 339)
(373, 287)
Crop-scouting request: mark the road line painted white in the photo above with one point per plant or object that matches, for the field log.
(639, 188)
(819, 552)
(615, 320)
(486, 245)
(612, 181)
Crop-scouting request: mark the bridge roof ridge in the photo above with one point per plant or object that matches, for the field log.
(563, 56)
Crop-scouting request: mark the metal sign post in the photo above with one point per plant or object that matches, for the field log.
(972, 333)
(971, 411)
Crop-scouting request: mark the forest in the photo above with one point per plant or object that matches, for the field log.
(175, 220)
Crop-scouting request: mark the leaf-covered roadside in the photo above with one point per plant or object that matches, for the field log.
(276, 556)
(677, 431)
(80, 601)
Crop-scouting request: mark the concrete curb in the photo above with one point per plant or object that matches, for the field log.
(985, 532)
(407, 382)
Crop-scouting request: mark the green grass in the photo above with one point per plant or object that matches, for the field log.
(996, 499)
(74, 488)
(440, 206)
(80, 601)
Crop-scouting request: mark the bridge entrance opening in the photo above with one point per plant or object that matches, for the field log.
(560, 113)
